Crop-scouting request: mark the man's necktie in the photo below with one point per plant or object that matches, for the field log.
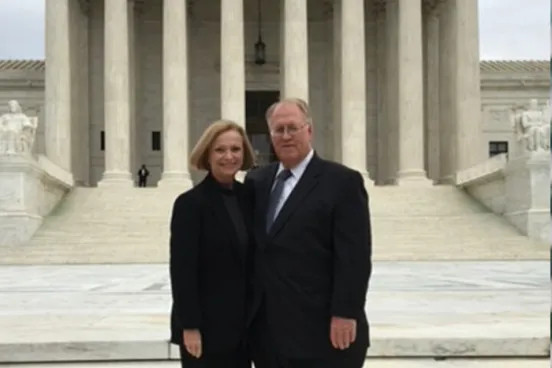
(275, 196)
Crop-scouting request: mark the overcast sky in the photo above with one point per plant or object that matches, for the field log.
(509, 29)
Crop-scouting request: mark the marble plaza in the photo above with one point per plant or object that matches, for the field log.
(436, 309)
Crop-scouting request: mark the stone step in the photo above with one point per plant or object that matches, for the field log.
(159, 350)
(110, 225)
(370, 363)
(124, 252)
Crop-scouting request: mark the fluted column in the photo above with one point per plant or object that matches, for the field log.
(336, 81)
(295, 57)
(447, 115)
(175, 94)
(471, 149)
(382, 122)
(460, 103)
(232, 64)
(117, 96)
(58, 101)
(410, 92)
(391, 81)
(431, 97)
(353, 86)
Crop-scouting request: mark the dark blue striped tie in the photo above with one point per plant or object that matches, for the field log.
(275, 196)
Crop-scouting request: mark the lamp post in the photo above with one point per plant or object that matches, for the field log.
(260, 47)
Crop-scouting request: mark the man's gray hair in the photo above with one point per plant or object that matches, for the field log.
(299, 102)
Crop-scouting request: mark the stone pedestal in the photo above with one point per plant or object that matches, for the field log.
(527, 188)
(29, 190)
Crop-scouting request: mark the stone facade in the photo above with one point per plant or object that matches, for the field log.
(503, 84)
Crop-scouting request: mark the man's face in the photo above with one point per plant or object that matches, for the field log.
(291, 134)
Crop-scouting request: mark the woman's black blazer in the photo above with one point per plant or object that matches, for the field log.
(209, 266)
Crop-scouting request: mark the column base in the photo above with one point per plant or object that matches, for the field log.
(413, 177)
(173, 179)
(368, 183)
(116, 178)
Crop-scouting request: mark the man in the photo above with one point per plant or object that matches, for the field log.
(313, 253)
(143, 174)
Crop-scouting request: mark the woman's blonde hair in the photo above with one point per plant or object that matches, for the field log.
(199, 158)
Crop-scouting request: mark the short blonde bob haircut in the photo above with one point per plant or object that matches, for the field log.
(199, 158)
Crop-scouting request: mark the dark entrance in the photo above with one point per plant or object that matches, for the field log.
(256, 104)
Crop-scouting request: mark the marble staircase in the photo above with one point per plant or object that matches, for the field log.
(109, 225)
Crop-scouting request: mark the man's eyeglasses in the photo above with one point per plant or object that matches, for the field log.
(291, 130)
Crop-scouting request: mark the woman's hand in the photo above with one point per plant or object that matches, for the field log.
(192, 342)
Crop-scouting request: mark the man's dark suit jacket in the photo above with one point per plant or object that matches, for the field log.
(315, 262)
(209, 267)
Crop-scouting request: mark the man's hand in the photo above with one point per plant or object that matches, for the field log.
(192, 342)
(342, 332)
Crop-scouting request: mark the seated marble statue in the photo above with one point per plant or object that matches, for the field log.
(532, 127)
(17, 131)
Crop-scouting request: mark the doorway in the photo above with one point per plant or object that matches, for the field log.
(256, 104)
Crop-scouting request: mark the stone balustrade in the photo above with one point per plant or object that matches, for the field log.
(29, 190)
(516, 188)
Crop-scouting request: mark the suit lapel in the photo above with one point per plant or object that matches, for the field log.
(304, 186)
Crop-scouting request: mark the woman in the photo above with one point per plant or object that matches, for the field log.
(210, 254)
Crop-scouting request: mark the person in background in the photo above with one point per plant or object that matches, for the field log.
(143, 174)
(210, 259)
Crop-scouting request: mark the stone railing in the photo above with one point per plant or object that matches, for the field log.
(485, 182)
(29, 190)
(518, 189)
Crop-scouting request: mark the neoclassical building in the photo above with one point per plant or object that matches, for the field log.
(395, 85)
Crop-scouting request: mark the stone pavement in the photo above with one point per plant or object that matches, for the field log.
(416, 309)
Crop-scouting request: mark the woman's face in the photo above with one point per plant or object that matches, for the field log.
(226, 156)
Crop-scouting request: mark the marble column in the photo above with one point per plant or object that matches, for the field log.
(391, 129)
(353, 87)
(232, 61)
(381, 67)
(431, 95)
(460, 94)
(471, 149)
(336, 81)
(175, 94)
(447, 115)
(294, 72)
(117, 96)
(410, 92)
(58, 91)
